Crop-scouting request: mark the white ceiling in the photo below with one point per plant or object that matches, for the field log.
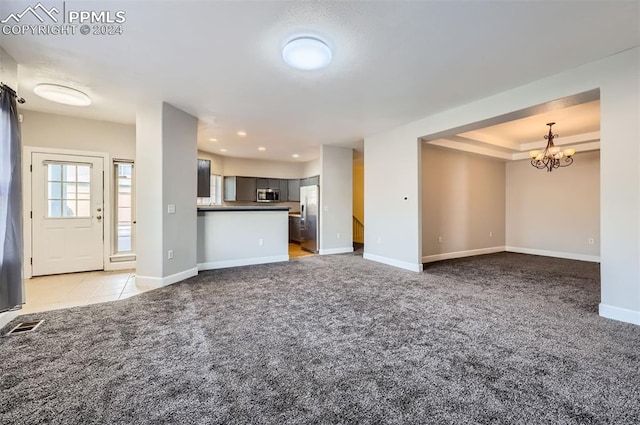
(393, 62)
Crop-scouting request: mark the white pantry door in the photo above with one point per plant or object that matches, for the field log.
(67, 209)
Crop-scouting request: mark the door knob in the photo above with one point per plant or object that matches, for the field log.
(99, 209)
(99, 217)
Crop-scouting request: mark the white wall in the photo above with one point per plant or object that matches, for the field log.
(336, 197)
(166, 158)
(392, 172)
(149, 205)
(392, 224)
(463, 202)
(232, 238)
(8, 69)
(555, 213)
(179, 188)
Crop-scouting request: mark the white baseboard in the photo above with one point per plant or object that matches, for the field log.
(330, 251)
(545, 253)
(392, 262)
(462, 254)
(619, 314)
(8, 316)
(242, 262)
(120, 265)
(159, 282)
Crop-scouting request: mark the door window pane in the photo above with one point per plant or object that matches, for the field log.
(54, 208)
(55, 190)
(55, 172)
(65, 196)
(84, 173)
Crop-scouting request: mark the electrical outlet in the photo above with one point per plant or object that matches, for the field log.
(338, 235)
(171, 209)
(260, 241)
(170, 254)
(490, 234)
(379, 240)
(591, 241)
(439, 239)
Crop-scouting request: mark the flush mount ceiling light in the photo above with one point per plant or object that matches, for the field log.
(223, 150)
(551, 157)
(62, 94)
(295, 155)
(262, 148)
(213, 140)
(307, 53)
(242, 133)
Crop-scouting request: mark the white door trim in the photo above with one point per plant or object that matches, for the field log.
(27, 152)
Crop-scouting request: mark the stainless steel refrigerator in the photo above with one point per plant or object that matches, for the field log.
(309, 217)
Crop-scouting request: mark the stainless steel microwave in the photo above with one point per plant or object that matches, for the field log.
(268, 195)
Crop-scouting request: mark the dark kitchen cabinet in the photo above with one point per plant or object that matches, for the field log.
(240, 188)
(204, 178)
(310, 181)
(284, 190)
(274, 184)
(294, 229)
(293, 190)
(263, 183)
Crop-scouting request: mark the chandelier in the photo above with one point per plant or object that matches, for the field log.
(552, 156)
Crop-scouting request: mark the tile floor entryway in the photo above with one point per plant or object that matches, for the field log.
(54, 292)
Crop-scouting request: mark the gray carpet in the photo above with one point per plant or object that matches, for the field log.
(502, 338)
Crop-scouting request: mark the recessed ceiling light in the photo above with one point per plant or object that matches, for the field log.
(223, 150)
(242, 133)
(262, 148)
(295, 155)
(307, 53)
(213, 140)
(62, 94)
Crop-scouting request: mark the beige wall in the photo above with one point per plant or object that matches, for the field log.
(262, 168)
(463, 201)
(311, 168)
(556, 212)
(62, 132)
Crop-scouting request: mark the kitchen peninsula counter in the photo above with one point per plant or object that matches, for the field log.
(231, 236)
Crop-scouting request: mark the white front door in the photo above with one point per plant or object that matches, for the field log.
(67, 210)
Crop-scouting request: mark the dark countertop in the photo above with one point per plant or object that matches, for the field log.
(247, 208)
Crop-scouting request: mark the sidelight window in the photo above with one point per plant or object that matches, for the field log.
(124, 232)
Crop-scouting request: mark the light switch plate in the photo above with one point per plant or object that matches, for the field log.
(171, 209)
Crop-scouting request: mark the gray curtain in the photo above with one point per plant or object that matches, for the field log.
(11, 253)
